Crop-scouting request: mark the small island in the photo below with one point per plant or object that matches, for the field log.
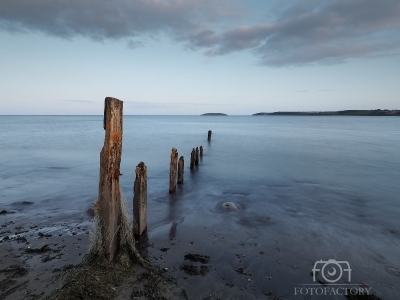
(214, 114)
(372, 112)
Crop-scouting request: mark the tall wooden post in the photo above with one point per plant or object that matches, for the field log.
(108, 203)
(172, 171)
(201, 150)
(196, 159)
(140, 201)
(209, 135)
(192, 158)
(181, 164)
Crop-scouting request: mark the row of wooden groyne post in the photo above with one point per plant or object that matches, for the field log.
(177, 167)
(176, 176)
(108, 206)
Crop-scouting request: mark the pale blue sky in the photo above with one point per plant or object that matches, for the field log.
(197, 56)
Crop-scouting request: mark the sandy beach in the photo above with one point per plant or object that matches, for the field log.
(35, 253)
(36, 256)
(199, 264)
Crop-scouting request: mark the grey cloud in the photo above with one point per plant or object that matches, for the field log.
(333, 32)
(298, 33)
(206, 38)
(244, 37)
(133, 44)
(310, 31)
(237, 39)
(103, 19)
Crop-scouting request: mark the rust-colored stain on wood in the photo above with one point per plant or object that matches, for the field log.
(116, 136)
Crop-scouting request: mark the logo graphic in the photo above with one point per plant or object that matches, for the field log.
(331, 270)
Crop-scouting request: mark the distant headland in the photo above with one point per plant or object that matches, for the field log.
(214, 114)
(372, 112)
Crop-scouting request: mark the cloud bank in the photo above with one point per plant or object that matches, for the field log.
(295, 33)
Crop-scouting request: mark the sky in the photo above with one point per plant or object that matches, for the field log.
(188, 57)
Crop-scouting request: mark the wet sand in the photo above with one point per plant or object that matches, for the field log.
(34, 252)
(207, 262)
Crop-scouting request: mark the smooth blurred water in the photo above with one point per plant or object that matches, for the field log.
(323, 187)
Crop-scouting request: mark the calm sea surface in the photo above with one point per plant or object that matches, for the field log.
(310, 188)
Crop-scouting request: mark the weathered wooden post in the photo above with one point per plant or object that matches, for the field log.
(192, 158)
(201, 150)
(172, 171)
(108, 203)
(196, 160)
(209, 135)
(140, 201)
(181, 164)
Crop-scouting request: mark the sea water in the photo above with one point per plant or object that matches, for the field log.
(307, 188)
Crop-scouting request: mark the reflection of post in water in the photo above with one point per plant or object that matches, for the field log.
(142, 246)
(172, 231)
(140, 201)
(174, 214)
